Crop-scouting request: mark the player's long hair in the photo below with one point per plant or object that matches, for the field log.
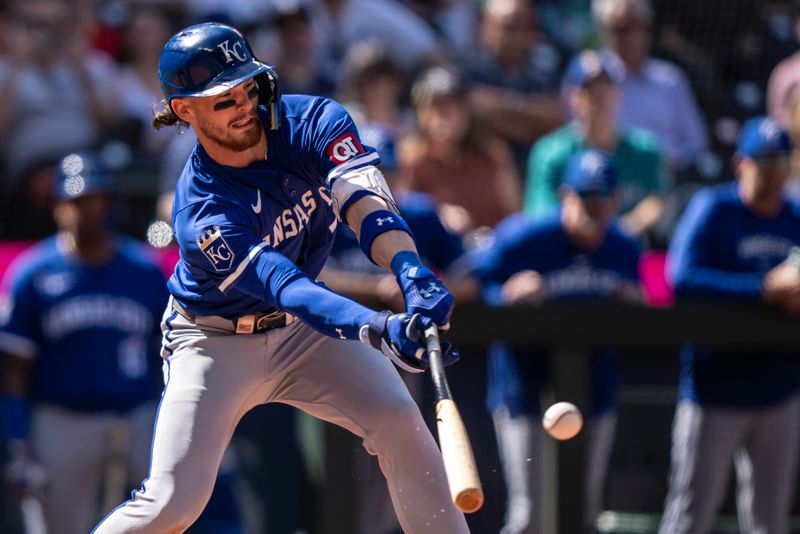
(166, 117)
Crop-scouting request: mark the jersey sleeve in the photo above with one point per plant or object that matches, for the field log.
(690, 265)
(19, 314)
(494, 265)
(335, 144)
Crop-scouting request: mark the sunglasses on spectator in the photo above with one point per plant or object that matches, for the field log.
(775, 159)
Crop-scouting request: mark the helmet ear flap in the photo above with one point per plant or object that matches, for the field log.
(269, 95)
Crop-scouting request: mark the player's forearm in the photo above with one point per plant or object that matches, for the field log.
(708, 282)
(323, 310)
(386, 245)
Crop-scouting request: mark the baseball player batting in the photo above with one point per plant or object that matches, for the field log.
(255, 211)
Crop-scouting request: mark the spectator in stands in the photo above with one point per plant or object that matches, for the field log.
(510, 94)
(303, 69)
(81, 371)
(56, 94)
(576, 254)
(341, 24)
(373, 86)
(783, 84)
(592, 92)
(454, 21)
(468, 171)
(655, 94)
(738, 406)
(138, 92)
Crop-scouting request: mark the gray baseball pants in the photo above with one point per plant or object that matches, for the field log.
(213, 377)
(83, 453)
(519, 443)
(761, 443)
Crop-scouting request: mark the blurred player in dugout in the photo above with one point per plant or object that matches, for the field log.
(577, 253)
(738, 407)
(79, 339)
(79, 335)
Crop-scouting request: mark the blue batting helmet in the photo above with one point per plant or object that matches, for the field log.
(210, 58)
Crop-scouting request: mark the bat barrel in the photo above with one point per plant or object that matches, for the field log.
(440, 386)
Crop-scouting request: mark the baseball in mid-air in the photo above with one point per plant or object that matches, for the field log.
(562, 420)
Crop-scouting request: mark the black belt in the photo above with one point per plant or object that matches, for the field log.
(254, 323)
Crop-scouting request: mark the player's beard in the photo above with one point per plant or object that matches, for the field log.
(239, 142)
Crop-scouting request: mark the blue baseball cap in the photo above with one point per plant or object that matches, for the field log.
(587, 66)
(591, 172)
(78, 175)
(763, 135)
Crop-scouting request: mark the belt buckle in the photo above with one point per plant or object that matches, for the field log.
(246, 324)
(270, 321)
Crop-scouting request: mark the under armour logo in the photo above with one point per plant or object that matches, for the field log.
(432, 288)
(232, 51)
(341, 334)
(380, 220)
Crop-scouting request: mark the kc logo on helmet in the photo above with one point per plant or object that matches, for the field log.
(344, 147)
(216, 249)
(232, 51)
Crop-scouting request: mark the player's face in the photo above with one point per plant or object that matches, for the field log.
(446, 119)
(629, 35)
(763, 178)
(588, 216)
(230, 120)
(85, 216)
(596, 101)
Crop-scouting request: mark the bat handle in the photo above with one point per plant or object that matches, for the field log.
(440, 386)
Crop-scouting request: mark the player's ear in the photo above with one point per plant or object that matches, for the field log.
(183, 109)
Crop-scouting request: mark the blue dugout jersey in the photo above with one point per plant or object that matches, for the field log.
(438, 247)
(92, 330)
(568, 272)
(721, 250)
(245, 233)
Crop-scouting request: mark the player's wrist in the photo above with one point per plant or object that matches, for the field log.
(403, 261)
(376, 223)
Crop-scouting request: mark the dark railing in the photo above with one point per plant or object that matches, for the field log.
(570, 329)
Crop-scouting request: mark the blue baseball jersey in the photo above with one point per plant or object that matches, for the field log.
(438, 247)
(92, 329)
(568, 272)
(245, 233)
(721, 250)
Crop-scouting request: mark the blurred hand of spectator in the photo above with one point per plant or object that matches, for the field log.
(525, 286)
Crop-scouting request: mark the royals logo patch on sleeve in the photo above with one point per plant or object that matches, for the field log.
(216, 249)
(344, 147)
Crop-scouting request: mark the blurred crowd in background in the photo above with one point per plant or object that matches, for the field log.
(481, 110)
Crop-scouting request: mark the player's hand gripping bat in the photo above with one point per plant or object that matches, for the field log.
(459, 461)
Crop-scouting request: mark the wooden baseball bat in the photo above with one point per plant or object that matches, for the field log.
(459, 461)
